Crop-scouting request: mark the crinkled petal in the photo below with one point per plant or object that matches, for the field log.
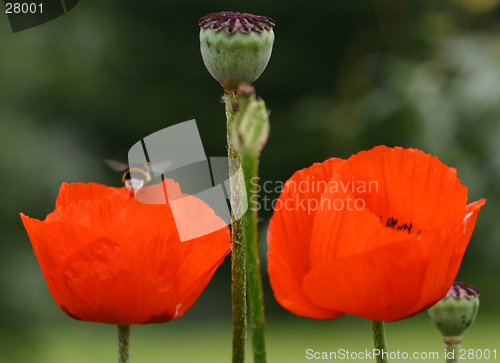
(386, 241)
(288, 238)
(406, 184)
(397, 280)
(76, 192)
(445, 260)
(108, 258)
(362, 266)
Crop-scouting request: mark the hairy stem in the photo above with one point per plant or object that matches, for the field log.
(123, 343)
(238, 258)
(255, 294)
(379, 341)
(452, 349)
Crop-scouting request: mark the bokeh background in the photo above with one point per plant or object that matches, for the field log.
(344, 76)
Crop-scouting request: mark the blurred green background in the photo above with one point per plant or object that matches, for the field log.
(344, 76)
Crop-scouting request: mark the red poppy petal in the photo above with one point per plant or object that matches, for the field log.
(203, 253)
(343, 227)
(161, 193)
(115, 260)
(192, 260)
(194, 218)
(445, 264)
(410, 186)
(51, 247)
(383, 254)
(288, 238)
(195, 271)
(289, 293)
(391, 282)
(76, 192)
(202, 256)
(152, 280)
(348, 248)
(374, 285)
(103, 282)
(106, 214)
(35, 229)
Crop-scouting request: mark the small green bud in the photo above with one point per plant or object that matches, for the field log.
(456, 312)
(236, 47)
(250, 129)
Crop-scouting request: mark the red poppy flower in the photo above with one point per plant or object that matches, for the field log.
(108, 258)
(380, 235)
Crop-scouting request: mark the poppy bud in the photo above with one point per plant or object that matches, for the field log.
(250, 129)
(236, 47)
(456, 312)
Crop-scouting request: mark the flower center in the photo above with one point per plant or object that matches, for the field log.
(393, 223)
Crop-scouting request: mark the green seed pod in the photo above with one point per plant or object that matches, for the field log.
(236, 47)
(456, 312)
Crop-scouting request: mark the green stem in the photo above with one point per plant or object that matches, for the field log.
(379, 341)
(238, 259)
(256, 297)
(123, 343)
(452, 349)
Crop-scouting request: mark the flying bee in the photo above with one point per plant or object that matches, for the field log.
(141, 176)
(138, 173)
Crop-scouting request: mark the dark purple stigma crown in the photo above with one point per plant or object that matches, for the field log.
(460, 289)
(231, 22)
